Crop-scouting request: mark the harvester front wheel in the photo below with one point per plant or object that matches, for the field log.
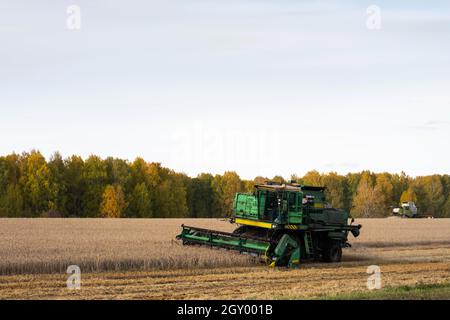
(332, 252)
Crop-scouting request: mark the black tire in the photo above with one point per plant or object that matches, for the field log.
(332, 252)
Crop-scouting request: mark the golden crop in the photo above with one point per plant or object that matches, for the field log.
(51, 245)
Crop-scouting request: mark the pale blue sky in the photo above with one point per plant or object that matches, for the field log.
(256, 86)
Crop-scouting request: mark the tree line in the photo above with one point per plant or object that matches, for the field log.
(31, 186)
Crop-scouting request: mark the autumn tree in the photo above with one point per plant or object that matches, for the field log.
(408, 195)
(368, 202)
(278, 179)
(39, 189)
(113, 202)
(434, 192)
(260, 180)
(248, 186)
(139, 172)
(385, 191)
(30, 186)
(312, 178)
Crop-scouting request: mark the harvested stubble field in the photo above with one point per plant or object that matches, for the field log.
(139, 258)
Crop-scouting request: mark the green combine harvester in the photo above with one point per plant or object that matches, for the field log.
(408, 209)
(284, 223)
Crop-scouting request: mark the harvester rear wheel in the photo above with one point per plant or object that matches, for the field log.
(332, 252)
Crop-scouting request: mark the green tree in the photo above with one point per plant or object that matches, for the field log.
(11, 204)
(446, 209)
(94, 179)
(140, 204)
(168, 191)
(200, 195)
(430, 194)
(118, 171)
(9, 178)
(57, 169)
(225, 187)
(400, 183)
(75, 185)
(178, 194)
(353, 180)
(9, 171)
(336, 189)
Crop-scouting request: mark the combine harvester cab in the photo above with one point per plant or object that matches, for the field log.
(285, 224)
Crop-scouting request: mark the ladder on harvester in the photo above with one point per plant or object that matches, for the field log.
(309, 246)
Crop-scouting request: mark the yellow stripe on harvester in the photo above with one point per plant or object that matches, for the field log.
(291, 227)
(261, 224)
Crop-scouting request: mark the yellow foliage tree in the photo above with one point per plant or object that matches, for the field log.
(385, 191)
(113, 202)
(408, 195)
(368, 202)
(312, 178)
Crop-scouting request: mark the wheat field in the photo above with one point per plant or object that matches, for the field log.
(50, 245)
(140, 259)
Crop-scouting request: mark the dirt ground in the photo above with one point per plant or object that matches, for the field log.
(408, 252)
(239, 283)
